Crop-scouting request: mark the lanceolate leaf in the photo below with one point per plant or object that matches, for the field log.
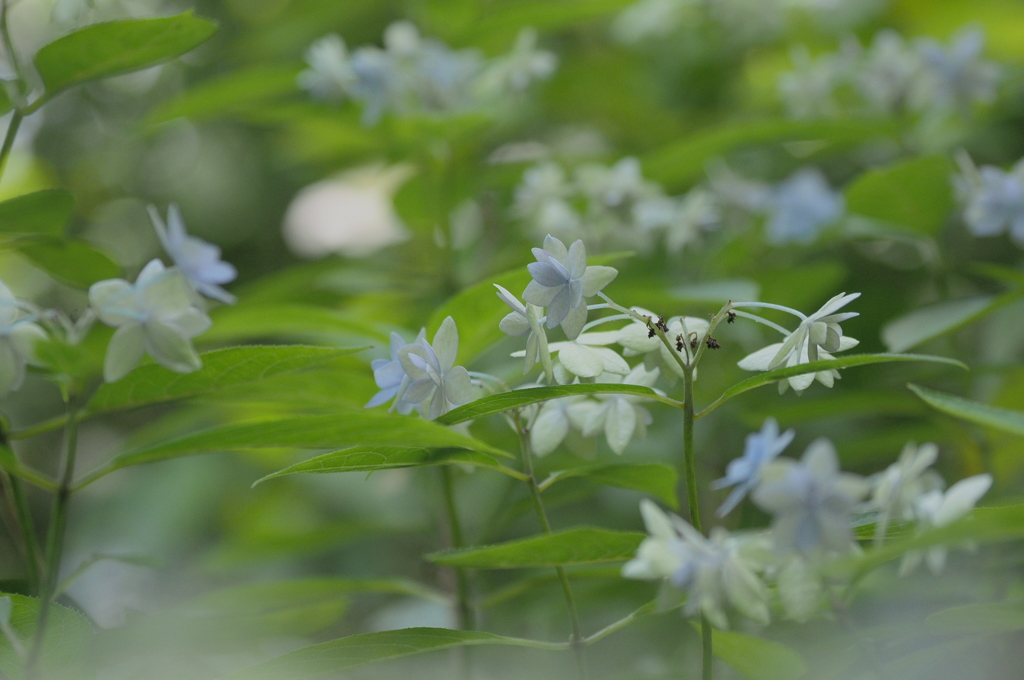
(232, 93)
(372, 458)
(991, 416)
(989, 618)
(43, 213)
(303, 432)
(506, 401)
(583, 545)
(915, 193)
(305, 322)
(76, 263)
(329, 659)
(927, 323)
(756, 658)
(655, 479)
(69, 635)
(815, 366)
(116, 47)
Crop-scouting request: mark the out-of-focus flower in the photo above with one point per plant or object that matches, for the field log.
(18, 337)
(809, 89)
(957, 76)
(993, 199)
(888, 72)
(542, 198)
(936, 509)
(552, 423)
(198, 261)
(800, 588)
(801, 206)
(562, 281)
(352, 214)
(744, 472)
(620, 416)
(896, 490)
(713, 571)
(525, 320)
(156, 315)
(330, 74)
(435, 381)
(810, 501)
(390, 375)
(817, 336)
(682, 219)
(517, 70)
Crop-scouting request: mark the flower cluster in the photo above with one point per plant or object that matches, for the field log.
(413, 75)
(814, 506)
(19, 334)
(422, 375)
(993, 199)
(892, 76)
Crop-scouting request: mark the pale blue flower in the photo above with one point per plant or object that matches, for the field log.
(957, 76)
(390, 376)
(330, 74)
(801, 206)
(936, 509)
(524, 321)
(18, 337)
(994, 200)
(562, 281)
(745, 472)
(198, 261)
(436, 383)
(810, 501)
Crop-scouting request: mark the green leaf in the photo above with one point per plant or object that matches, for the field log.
(222, 369)
(684, 162)
(582, 545)
(915, 193)
(302, 432)
(372, 458)
(506, 20)
(69, 636)
(656, 479)
(244, 322)
(5, 100)
(76, 263)
(43, 213)
(235, 92)
(927, 323)
(815, 366)
(255, 598)
(116, 47)
(505, 401)
(974, 619)
(10, 463)
(328, 659)
(757, 658)
(990, 416)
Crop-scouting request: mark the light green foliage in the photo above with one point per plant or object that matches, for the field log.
(758, 659)
(584, 545)
(652, 478)
(42, 213)
(916, 194)
(975, 412)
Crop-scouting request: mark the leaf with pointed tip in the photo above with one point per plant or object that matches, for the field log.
(302, 432)
(506, 401)
(848, 361)
(115, 47)
(990, 416)
(76, 263)
(67, 641)
(372, 458)
(238, 91)
(757, 658)
(656, 479)
(928, 323)
(582, 545)
(914, 193)
(245, 322)
(329, 659)
(42, 213)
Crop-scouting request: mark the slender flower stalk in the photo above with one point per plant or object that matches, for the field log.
(464, 608)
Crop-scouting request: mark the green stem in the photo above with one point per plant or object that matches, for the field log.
(690, 473)
(464, 608)
(12, 132)
(577, 640)
(55, 536)
(33, 555)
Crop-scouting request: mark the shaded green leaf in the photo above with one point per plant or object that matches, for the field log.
(915, 193)
(815, 366)
(990, 416)
(244, 322)
(656, 479)
(303, 432)
(116, 47)
(328, 659)
(936, 320)
(974, 619)
(757, 658)
(505, 401)
(67, 641)
(232, 93)
(583, 545)
(76, 263)
(42, 213)
(222, 369)
(10, 464)
(256, 598)
(372, 458)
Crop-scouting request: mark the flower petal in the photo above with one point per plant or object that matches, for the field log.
(171, 347)
(446, 344)
(125, 351)
(458, 388)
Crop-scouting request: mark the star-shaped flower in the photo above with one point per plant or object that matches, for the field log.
(936, 509)
(896, 490)
(620, 416)
(525, 320)
(436, 382)
(198, 261)
(155, 315)
(744, 472)
(18, 337)
(562, 281)
(390, 376)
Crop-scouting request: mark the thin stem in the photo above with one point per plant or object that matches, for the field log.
(766, 322)
(690, 473)
(55, 536)
(577, 641)
(464, 608)
(770, 305)
(33, 555)
(12, 132)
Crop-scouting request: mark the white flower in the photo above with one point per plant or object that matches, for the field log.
(330, 74)
(888, 72)
(801, 206)
(936, 509)
(552, 423)
(562, 281)
(957, 76)
(713, 571)
(620, 416)
(435, 379)
(543, 198)
(896, 490)
(744, 472)
(18, 337)
(800, 588)
(390, 376)
(993, 198)
(156, 315)
(198, 261)
(525, 320)
(636, 339)
(817, 336)
(584, 357)
(515, 71)
(811, 501)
